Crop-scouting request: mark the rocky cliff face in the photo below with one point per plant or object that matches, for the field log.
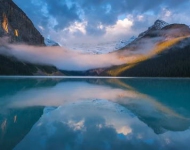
(15, 24)
(18, 27)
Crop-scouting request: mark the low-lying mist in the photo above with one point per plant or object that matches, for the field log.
(58, 56)
(65, 59)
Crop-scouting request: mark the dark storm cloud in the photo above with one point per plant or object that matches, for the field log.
(97, 13)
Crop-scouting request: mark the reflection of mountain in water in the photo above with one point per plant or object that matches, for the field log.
(159, 103)
(15, 124)
(97, 124)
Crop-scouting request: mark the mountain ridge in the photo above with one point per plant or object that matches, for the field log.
(168, 57)
(16, 25)
(20, 30)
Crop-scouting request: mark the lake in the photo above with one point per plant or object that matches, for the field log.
(94, 113)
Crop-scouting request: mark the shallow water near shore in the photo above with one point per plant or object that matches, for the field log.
(94, 113)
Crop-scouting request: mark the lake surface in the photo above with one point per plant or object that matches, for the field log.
(94, 114)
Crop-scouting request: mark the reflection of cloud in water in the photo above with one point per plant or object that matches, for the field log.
(97, 125)
(124, 130)
(156, 115)
(76, 125)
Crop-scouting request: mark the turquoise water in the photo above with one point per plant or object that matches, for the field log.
(94, 114)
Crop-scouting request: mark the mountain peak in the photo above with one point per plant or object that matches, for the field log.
(160, 21)
(159, 24)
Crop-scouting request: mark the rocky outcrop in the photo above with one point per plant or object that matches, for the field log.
(17, 26)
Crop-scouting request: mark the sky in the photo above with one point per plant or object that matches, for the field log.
(96, 21)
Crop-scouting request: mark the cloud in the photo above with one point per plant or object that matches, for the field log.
(121, 28)
(97, 16)
(77, 27)
(102, 126)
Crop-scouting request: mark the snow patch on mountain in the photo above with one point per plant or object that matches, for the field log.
(159, 24)
(124, 43)
(49, 42)
(100, 48)
(89, 48)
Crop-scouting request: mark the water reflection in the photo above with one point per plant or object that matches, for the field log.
(94, 113)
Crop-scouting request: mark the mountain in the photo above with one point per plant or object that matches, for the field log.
(17, 26)
(19, 29)
(159, 24)
(161, 51)
(49, 42)
(111, 46)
